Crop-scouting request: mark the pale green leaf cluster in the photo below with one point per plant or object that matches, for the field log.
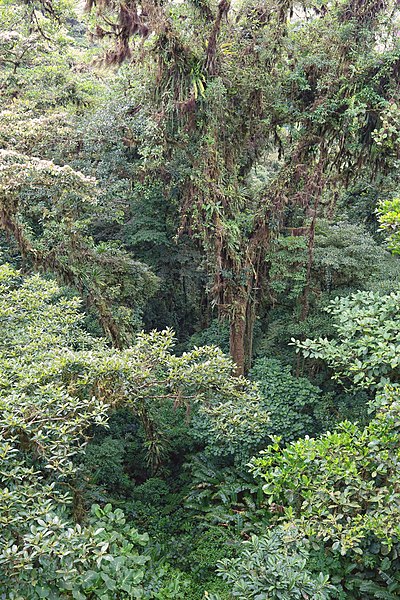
(274, 567)
(366, 347)
(389, 219)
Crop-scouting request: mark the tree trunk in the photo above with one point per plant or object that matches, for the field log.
(238, 334)
(249, 334)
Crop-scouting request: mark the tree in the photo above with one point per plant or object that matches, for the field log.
(346, 259)
(57, 382)
(43, 426)
(238, 86)
(47, 209)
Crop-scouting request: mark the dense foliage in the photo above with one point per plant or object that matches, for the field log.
(199, 299)
(342, 489)
(57, 381)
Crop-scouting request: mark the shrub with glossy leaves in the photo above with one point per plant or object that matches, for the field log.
(342, 490)
(103, 559)
(367, 342)
(274, 567)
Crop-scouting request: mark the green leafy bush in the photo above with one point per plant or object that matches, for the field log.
(104, 465)
(241, 430)
(98, 560)
(342, 490)
(389, 219)
(274, 567)
(288, 406)
(292, 402)
(365, 348)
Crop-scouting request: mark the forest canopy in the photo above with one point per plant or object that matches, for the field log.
(199, 299)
